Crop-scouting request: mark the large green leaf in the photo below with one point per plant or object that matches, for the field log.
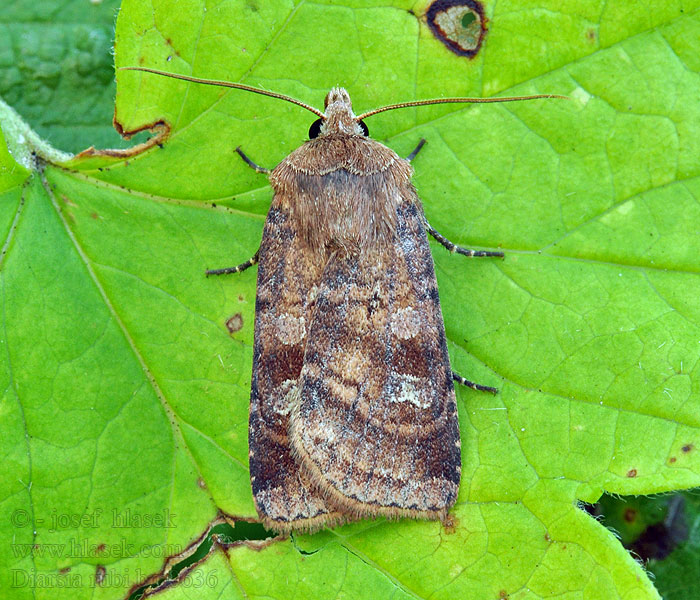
(56, 69)
(125, 393)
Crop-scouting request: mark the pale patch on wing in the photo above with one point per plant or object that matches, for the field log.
(313, 293)
(352, 365)
(345, 393)
(426, 494)
(278, 504)
(283, 396)
(323, 434)
(409, 388)
(406, 323)
(290, 330)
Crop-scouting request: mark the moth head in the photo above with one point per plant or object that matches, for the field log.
(339, 118)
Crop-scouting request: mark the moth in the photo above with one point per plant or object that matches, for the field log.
(352, 408)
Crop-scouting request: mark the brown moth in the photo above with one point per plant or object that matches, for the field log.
(352, 409)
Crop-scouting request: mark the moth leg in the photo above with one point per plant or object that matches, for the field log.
(475, 386)
(251, 261)
(242, 267)
(417, 149)
(250, 163)
(455, 248)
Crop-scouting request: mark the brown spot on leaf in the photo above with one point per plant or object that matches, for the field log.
(101, 548)
(458, 24)
(547, 537)
(100, 573)
(632, 473)
(201, 483)
(672, 459)
(630, 515)
(450, 523)
(687, 448)
(503, 595)
(234, 323)
(591, 35)
(94, 215)
(64, 570)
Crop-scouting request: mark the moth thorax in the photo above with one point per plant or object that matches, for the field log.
(339, 116)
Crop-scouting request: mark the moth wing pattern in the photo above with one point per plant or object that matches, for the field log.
(375, 427)
(286, 277)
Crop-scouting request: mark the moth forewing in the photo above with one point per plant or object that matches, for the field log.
(283, 498)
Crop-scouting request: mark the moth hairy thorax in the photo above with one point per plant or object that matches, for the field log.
(343, 188)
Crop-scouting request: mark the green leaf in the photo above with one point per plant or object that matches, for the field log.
(124, 412)
(57, 71)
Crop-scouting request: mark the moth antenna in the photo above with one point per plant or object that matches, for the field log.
(456, 101)
(238, 86)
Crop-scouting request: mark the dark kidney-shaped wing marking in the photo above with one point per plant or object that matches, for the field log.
(375, 428)
(287, 278)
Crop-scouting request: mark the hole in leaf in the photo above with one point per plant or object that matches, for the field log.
(459, 24)
(468, 19)
(224, 533)
(649, 527)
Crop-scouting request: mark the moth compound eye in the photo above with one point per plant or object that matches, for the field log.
(365, 129)
(315, 129)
